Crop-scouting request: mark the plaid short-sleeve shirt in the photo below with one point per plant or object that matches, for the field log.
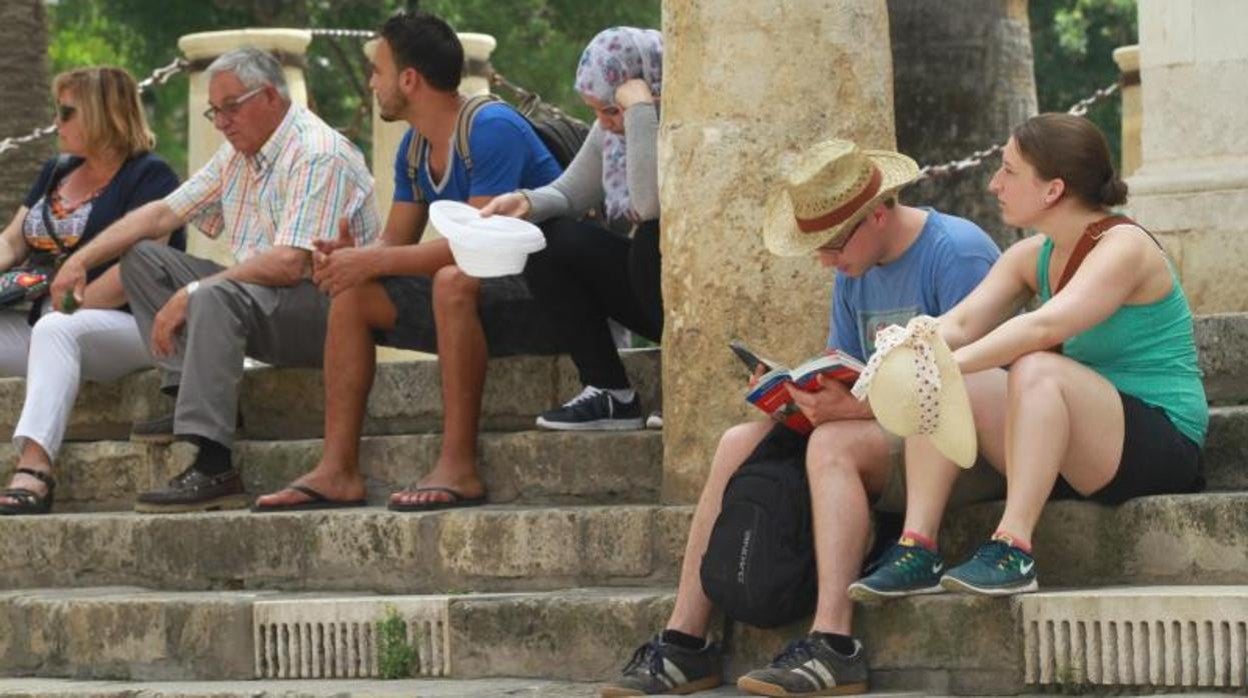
(293, 191)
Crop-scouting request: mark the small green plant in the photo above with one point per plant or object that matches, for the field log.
(395, 657)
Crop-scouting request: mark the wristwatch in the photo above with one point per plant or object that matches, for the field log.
(192, 287)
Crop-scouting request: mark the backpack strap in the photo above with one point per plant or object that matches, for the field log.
(416, 158)
(417, 147)
(1091, 236)
(463, 125)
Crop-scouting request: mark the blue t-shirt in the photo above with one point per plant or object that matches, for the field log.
(948, 259)
(506, 155)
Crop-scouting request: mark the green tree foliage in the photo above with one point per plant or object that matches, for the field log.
(1073, 43)
(539, 42)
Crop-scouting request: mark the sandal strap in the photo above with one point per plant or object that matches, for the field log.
(23, 495)
(38, 475)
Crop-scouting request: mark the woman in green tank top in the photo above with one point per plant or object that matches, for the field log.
(1102, 398)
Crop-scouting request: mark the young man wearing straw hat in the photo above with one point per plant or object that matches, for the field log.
(894, 262)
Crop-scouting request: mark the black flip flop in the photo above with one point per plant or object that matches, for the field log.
(457, 501)
(315, 502)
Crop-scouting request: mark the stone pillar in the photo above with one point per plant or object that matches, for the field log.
(964, 78)
(1128, 60)
(201, 49)
(747, 85)
(387, 134)
(1192, 186)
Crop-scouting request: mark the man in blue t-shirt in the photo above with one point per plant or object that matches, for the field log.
(893, 262)
(390, 293)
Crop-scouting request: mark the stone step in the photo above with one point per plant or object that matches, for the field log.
(532, 467)
(288, 403)
(337, 688)
(490, 548)
(1126, 637)
(1178, 539)
(328, 688)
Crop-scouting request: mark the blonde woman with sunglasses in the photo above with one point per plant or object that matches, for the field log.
(106, 168)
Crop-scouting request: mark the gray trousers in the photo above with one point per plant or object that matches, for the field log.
(225, 321)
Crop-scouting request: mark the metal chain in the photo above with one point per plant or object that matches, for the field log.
(977, 158)
(158, 77)
(345, 33)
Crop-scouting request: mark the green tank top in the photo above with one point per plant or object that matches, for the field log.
(1145, 351)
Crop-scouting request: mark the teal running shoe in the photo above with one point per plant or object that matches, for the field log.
(997, 569)
(904, 570)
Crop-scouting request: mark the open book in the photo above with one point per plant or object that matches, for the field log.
(770, 395)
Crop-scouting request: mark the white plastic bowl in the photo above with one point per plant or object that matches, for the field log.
(485, 247)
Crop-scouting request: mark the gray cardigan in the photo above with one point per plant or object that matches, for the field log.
(579, 188)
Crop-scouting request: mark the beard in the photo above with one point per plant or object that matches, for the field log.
(391, 109)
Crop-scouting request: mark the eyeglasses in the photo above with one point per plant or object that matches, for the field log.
(842, 243)
(65, 112)
(231, 107)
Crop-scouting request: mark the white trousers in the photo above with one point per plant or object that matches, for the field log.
(56, 355)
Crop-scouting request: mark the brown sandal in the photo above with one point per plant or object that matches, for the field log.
(27, 501)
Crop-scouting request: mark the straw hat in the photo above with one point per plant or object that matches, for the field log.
(833, 185)
(916, 388)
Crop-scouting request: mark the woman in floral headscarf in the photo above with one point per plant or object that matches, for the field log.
(589, 272)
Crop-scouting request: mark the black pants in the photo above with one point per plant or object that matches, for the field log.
(588, 274)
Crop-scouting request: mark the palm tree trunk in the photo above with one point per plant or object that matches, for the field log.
(23, 96)
(963, 78)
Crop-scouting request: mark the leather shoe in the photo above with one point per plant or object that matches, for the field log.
(192, 490)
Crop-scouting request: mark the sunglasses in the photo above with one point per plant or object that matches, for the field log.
(231, 107)
(842, 243)
(65, 112)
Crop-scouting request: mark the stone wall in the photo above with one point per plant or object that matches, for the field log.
(964, 78)
(747, 85)
(1192, 188)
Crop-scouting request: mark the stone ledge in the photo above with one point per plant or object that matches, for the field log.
(945, 643)
(288, 403)
(493, 548)
(531, 467)
(1152, 540)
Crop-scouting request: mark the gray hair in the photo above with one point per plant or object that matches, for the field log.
(253, 68)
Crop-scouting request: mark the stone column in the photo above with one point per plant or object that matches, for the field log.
(387, 134)
(747, 85)
(1192, 187)
(1128, 60)
(201, 49)
(964, 78)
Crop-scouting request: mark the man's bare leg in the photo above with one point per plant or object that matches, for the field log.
(349, 367)
(847, 464)
(462, 360)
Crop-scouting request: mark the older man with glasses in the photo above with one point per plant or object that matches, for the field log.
(283, 180)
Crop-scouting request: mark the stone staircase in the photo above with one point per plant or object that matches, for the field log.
(571, 566)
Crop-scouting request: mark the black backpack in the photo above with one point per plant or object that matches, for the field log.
(561, 135)
(759, 566)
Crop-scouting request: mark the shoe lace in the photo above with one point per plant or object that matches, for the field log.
(648, 657)
(589, 393)
(995, 553)
(795, 653)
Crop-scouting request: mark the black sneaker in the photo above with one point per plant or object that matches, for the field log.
(594, 409)
(809, 667)
(192, 490)
(661, 668)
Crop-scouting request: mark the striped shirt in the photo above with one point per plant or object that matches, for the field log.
(291, 192)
